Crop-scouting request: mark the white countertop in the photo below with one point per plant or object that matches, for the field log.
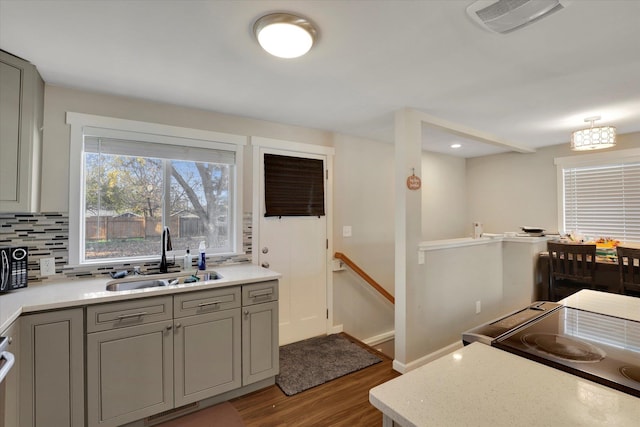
(480, 385)
(606, 303)
(431, 245)
(78, 292)
(483, 386)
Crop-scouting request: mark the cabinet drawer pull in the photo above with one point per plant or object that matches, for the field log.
(132, 315)
(205, 304)
(261, 293)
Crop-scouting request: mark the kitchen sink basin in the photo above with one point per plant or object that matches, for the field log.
(131, 283)
(140, 284)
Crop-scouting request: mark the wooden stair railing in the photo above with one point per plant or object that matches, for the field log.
(360, 272)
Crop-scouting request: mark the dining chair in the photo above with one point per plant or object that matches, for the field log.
(572, 266)
(629, 266)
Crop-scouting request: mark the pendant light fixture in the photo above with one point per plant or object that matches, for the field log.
(593, 138)
(284, 35)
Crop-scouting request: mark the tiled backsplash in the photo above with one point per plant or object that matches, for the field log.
(47, 235)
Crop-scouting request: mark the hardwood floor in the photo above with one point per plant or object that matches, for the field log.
(341, 402)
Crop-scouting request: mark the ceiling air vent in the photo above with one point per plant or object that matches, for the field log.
(503, 16)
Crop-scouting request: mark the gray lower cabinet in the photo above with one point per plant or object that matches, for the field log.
(207, 345)
(52, 369)
(138, 366)
(260, 359)
(260, 351)
(129, 373)
(129, 360)
(151, 355)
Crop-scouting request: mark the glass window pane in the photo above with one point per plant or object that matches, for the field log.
(603, 201)
(200, 205)
(123, 206)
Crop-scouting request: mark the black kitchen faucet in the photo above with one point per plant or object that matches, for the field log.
(166, 246)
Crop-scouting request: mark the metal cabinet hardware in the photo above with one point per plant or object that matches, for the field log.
(132, 315)
(205, 304)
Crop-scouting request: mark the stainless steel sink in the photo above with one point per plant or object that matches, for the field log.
(131, 283)
(139, 284)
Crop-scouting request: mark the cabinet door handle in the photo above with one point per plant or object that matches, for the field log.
(129, 316)
(205, 304)
(178, 325)
(261, 293)
(246, 314)
(169, 327)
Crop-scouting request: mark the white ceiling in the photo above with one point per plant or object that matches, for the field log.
(531, 87)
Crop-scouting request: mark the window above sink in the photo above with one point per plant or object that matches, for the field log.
(135, 178)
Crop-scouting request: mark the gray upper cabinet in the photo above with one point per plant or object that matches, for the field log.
(21, 116)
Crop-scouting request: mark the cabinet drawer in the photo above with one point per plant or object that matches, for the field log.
(192, 303)
(257, 293)
(129, 313)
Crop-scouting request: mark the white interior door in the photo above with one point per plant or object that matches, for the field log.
(296, 247)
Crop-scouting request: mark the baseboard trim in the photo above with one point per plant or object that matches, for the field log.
(403, 368)
(335, 329)
(379, 339)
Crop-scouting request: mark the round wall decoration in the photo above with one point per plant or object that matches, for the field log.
(414, 182)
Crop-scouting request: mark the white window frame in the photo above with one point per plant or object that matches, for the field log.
(157, 133)
(585, 160)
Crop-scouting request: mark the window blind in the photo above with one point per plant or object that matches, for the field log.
(603, 201)
(293, 186)
(157, 151)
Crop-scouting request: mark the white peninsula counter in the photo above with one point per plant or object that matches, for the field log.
(480, 385)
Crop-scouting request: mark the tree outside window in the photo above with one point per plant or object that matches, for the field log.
(128, 199)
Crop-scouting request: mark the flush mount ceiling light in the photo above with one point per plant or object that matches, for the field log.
(593, 138)
(284, 35)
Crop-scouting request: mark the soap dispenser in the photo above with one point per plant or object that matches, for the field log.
(188, 260)
(202, 258)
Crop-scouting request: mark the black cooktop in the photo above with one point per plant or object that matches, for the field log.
(601, 348)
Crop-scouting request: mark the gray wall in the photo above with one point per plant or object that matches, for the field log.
(502, 191)
(363, 199)
(445, 214)
(507, 191)
(363, 194)
(59, 100)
